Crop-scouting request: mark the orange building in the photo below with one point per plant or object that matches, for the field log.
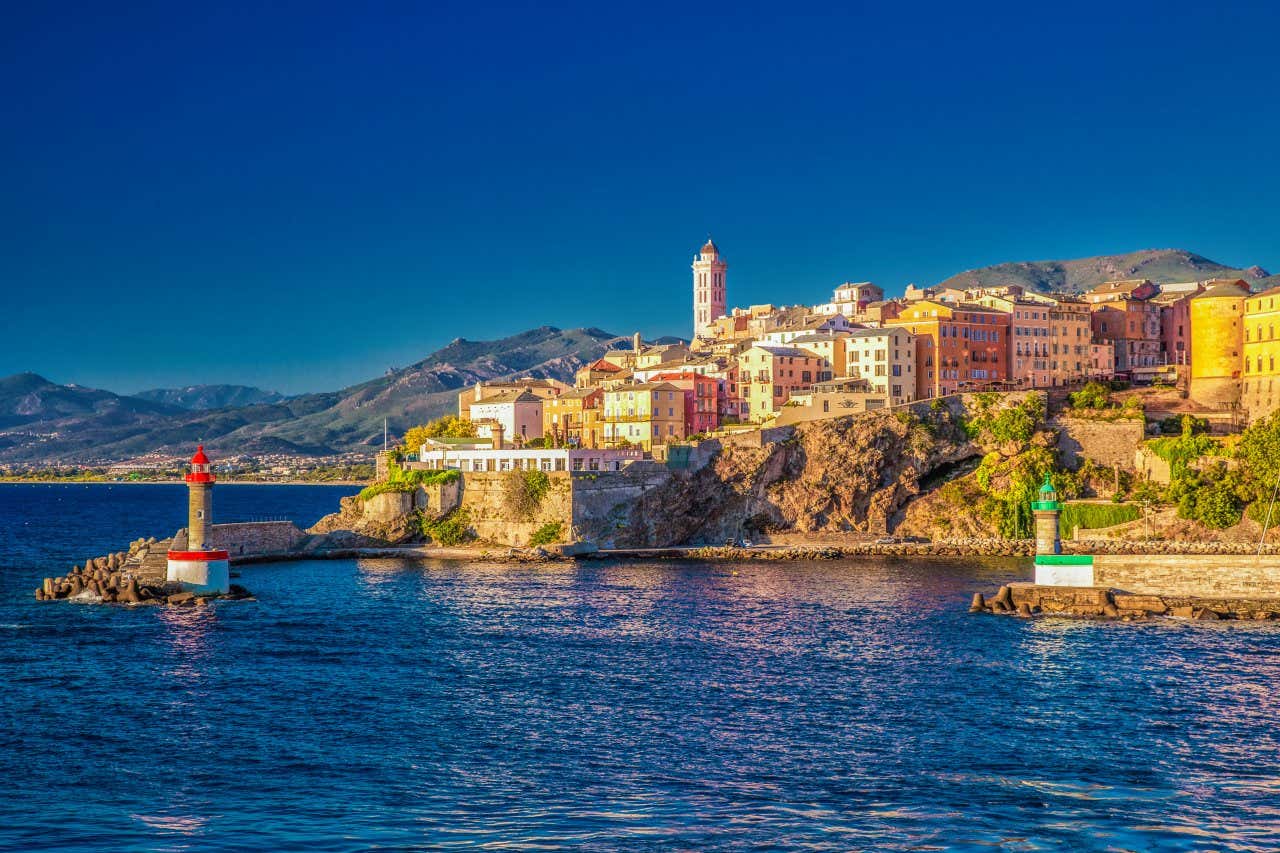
(567, 420)
(769, 375)
(959, 346)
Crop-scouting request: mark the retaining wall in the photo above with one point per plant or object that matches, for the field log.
(1108, 443)
(249, 538)
(1202, 575)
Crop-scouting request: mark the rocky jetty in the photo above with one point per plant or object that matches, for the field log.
(135, 576)
(1028, 599)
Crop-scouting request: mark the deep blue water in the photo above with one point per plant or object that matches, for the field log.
(394, 705)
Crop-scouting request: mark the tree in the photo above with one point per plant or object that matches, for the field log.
(1094, 395)
(1259, 455)
(450, 426)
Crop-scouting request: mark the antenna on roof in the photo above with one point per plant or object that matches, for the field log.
(384, 435)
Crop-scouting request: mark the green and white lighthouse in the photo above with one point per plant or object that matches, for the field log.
(1047, 511)
(1052, 567)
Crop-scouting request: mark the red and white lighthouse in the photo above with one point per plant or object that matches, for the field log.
(200, 568)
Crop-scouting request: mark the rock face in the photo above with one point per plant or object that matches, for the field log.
(385, 519)
(845, 475)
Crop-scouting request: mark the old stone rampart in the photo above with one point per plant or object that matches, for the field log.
(1203, 575)
(249, 538)
(1107, 443)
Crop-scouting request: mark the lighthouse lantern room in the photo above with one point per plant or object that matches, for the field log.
(200, 568)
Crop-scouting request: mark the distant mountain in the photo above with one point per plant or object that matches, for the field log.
(204, 397)
(1159, 265)
(41, 421)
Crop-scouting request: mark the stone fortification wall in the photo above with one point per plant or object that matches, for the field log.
(603, 503)
(433, 500)
(588, 505)
(1203, 575)
(486, 500)
(249, 538)
(1108, 443)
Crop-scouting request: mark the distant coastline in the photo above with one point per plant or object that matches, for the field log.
(17, 481)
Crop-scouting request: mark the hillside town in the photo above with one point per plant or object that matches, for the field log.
(777, 365)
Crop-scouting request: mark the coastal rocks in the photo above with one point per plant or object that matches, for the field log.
(135, 577)
(386, 519)
(1027, 599)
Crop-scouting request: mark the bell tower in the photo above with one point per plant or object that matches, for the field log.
(708, 287)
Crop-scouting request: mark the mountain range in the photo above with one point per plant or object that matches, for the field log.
(1163, 266)
(205, 397)
(43, 422)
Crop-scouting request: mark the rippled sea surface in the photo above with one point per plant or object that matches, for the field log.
(398, 705)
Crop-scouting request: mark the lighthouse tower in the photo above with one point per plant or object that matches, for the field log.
(200, 569)
(708, 287)
(1047, 510)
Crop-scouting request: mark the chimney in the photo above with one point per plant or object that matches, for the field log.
(479, 385)
(635, 343)
(496, 432)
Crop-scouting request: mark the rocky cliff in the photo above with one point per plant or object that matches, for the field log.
(849, 475)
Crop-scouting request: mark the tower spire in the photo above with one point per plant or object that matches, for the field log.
(708, 287)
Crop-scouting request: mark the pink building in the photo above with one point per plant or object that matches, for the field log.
(701, 399)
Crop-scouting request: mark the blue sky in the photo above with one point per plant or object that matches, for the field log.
(299, 195)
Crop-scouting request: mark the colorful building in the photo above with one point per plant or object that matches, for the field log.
(831, 348)
(1175, 320)
(886, 360)
(769, 375)
(851, 299)
(1217, 331)
(518, 413)
(566, 419)
(1132, 327)
(1260, 393)
(1127, 289)
(597, 373)
(959, 346)
(541, 388)
(642, 415)
(1071, 333)
(701, 400)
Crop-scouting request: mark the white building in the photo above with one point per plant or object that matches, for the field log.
(887, 359)
(470, 458)
(850, 298)
(519, 413)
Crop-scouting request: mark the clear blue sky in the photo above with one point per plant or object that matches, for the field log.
(298, 195)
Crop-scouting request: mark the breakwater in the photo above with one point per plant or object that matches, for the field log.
(136, 576)
(1028, 599)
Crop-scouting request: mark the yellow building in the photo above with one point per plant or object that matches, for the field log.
(1261, 390)
(1217, 335)
(642, 415)
(565, 420)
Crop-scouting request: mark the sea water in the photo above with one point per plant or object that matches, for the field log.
(397, 704)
